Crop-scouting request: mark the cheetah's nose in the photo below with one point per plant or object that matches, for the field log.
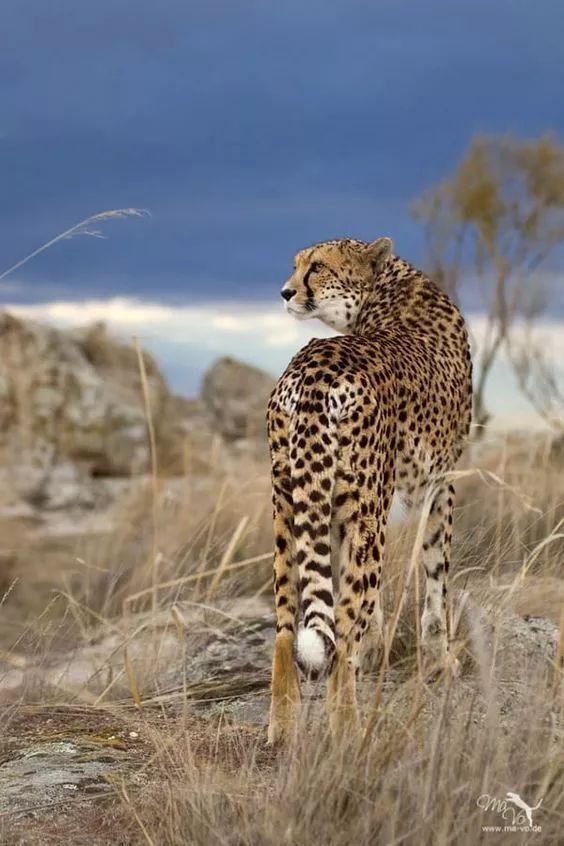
(287, 294)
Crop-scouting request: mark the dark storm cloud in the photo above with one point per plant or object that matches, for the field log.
(248, 128)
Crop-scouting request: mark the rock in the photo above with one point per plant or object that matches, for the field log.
(49, 772)
(201, 442)
(61, 486)
(526, 645)
(236, 396)
(72, 409)
(157, 651)
(514, 641)
(73, 401)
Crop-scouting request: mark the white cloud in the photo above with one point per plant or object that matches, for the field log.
(186, 339)
(218, 325)
(547, 333)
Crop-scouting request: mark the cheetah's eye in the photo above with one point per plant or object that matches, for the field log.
(316, 267)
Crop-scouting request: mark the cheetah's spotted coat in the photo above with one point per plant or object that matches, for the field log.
(384, 406)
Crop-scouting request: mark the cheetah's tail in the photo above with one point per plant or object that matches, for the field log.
(314, 652)
(313, 472)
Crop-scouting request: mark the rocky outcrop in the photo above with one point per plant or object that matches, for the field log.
(72, 410)
(71, 405)
(236, 396)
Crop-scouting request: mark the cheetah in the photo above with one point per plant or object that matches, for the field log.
(384, 406)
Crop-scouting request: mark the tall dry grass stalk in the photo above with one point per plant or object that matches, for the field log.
(155, 554)
(84, 227)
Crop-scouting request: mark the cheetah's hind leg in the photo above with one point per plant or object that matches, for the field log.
(437, 657)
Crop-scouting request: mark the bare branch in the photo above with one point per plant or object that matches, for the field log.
(499, 215)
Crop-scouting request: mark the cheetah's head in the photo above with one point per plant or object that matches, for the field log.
(331, 280)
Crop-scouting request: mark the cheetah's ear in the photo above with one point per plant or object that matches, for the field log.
(378, 252)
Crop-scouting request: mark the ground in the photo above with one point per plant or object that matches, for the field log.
(135, 696)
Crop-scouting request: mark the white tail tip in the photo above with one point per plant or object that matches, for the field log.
(310, 648)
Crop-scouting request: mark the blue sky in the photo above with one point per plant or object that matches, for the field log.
(248, 129)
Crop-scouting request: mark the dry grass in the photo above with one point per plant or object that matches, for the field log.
(206, 781)
(416, 784)
(498, 528)
(185, 535)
